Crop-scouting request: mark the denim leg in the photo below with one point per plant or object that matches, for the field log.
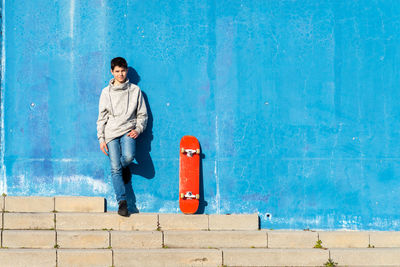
(128, 150)
(114, 151)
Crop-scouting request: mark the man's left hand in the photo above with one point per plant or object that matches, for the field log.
(133, 134)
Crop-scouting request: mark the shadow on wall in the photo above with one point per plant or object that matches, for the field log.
(202, 202)
(144, 166)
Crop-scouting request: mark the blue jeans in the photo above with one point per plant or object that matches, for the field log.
(121, 152)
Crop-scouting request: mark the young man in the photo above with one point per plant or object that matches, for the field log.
(122, 118)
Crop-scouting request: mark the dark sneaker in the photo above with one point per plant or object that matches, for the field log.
(123, 208)
(126, 175)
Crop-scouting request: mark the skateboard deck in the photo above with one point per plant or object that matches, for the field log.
(189, 174)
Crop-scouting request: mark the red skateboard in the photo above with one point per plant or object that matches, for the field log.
(189, 174)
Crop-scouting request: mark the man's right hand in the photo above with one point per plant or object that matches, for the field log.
(104, 148)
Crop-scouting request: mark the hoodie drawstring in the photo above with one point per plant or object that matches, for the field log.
(127, 103)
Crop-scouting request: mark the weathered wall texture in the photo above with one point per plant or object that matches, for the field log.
(295, 104)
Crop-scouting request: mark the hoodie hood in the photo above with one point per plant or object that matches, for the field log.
(118, 87)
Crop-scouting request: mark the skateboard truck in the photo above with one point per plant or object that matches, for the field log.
(190, 152)
(190, 195)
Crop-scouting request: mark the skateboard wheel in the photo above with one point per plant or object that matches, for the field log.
(197, 196)
(198, 151)
(182, 195)
(182, 150)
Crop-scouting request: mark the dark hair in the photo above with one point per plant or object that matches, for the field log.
(120, 62)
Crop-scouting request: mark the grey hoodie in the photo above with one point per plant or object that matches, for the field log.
(121, 109)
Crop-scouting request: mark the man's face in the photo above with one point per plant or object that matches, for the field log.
(119, 74)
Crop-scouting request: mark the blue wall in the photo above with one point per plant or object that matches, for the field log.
(294, 104)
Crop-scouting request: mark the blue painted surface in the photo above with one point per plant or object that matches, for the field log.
(294, 104)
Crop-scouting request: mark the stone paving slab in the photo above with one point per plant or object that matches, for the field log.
(136, 239)
(29, 238)
(84, 257)
(106, 221)
(366, 256)
(275, 257)
(29, 204)
(344, 239)
(183, 222)
(1, 203)
(292, 239)
(384, 239)
(83, 239)
(27, 257)
(28, 221)
(167, 257)
(215, 239)
(233, 222)
(79, 204)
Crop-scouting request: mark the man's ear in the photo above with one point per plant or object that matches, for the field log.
(111, 71)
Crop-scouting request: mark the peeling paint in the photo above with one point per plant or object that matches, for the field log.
(80, 181)
(72, 19)
(168, 206)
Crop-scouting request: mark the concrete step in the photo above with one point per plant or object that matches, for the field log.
(29, 221)
(28, 257)
(183, 222)
(167, 257)
(292, 239)
(342, 239)
(83, 239)
(75, 231)
(274, 257)
(106, 238)
(88, 213)
(84, 257)
(110, 220)
(53, 204)
(208, 222)
(132, 239)
(199, 257)
(254, 257)
(233, 222)
(136, 239)
(28, 204)
(366, 256)
(79, 204)
(106, 221)
(28, 239)
(384, 239)
(332, 239)
(215, 239)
